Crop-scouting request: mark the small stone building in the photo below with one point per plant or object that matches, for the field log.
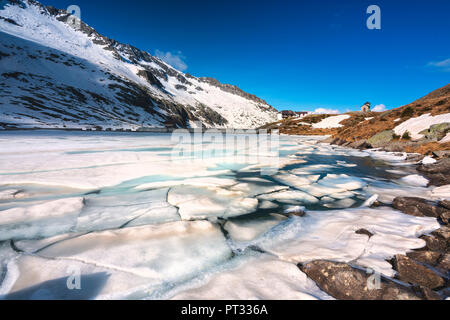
(366, 107)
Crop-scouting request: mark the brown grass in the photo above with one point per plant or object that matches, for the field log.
(428, 148)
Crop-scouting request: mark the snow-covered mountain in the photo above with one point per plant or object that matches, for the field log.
(54, 74)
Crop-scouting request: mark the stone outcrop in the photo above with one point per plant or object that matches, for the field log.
(381, 139)
(418, 207)
(415, 273)
(344, 282)
(438, 173)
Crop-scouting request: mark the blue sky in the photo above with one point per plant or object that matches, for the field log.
(300, 55)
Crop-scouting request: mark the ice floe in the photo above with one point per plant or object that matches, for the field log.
(265, 278)
(250, 228)
(40, 220)
(201, 203)
(331, 235)
(140, 259)
(415, 180)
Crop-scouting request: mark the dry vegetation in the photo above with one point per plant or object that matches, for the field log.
(357, 128)
(435, 103)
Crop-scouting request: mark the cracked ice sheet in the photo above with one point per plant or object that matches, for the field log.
(331, 235)
(388, 191)
(200, 182)
(290, 196)
(40, 220)
(140, 208)
(104, 175)
(141, 259)
(333, 184)
(296, 181)
(256, 186)
(250, 229)
(262, 278)
(203, 203)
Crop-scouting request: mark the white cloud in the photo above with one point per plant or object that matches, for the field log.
(175, 59)
(379, 108)
(443, 65)
(325, 111)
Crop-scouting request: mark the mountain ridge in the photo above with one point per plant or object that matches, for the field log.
(122, 86)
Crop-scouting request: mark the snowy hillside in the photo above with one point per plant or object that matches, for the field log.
(54, 75)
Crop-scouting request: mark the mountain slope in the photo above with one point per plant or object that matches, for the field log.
(55, 75)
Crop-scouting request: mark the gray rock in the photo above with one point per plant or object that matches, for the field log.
(445, 216)
(442, 154)
(442, 166)
(438, 173)
(444, 204)
(427, 293)
(443, 233)
(427, 256)
(414, 273)
(364, 232)
(444, 265)
(417, 207)
(436, 132)
(435, 243)
(381, 139)
(360, 144)
(344, 282)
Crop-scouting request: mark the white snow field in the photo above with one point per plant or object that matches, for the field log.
(416, 125)
(331, 122)
(138, 220)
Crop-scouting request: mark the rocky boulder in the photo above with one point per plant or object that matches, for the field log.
(435, 243)
(381, 139)
(437, 132)
(344, 282)
(438, 173)
(428, 257)
(418, 207)
(417, 274)
(360, 144)
(441, 154)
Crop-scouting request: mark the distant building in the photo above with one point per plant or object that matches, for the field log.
(366, 107)
(287, 114)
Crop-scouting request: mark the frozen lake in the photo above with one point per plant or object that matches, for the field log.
(156, 216)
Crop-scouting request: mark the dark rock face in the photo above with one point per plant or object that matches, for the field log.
(437, 131)
(427, 293)
(435, 243)
(443, 233)
(444, 204)
(444, 265)
(414, 273)
(150, 77)
(364, 232)
(428, 257)
(438, 173)
(360, 144)
(344, 282)
(445, 216)
(417, 207)
(442, 154)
